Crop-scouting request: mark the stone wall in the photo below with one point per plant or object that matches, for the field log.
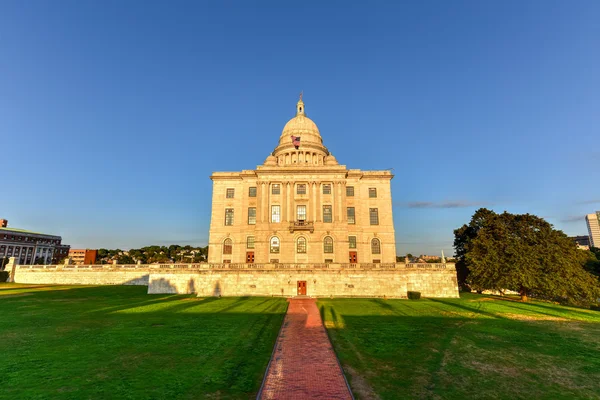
(322, 280)
(55, 275)
(393, 283)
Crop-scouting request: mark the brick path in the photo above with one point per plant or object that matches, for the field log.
(304, 365)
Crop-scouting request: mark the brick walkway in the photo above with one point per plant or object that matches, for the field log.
(304, 365)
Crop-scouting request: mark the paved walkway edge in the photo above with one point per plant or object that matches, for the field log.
(336, 356)
(279, 339)
(262, 385)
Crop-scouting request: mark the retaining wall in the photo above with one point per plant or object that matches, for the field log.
(394, 280)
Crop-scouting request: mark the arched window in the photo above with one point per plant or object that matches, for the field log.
(301, 245)
(328, 245)
(227, 246)
(375, 246)
(274, 244)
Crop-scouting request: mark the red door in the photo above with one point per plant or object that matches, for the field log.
(353, 257)
(250, 257)
(301, 288)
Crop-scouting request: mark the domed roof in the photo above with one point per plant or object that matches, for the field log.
(301, 126)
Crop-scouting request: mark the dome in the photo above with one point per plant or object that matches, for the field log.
(331, 160)
(300, 142)
(271, 160)
(304, 127)
(301, 126)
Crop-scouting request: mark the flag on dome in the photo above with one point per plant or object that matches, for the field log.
(296, 141)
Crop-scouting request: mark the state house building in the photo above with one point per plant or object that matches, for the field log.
(301, 206)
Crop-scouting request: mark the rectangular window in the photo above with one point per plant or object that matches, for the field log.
(275, 188)
(372, 192)
(352, 242)
(349, 191)
(275, 214)
(252, 191)
(229, 216)
(301, 213)
(350, 213)
(251, 215)
(328, 261)
(301, 189)
(250, 242)
(376, 261)
(230, 193)
(274, 261)
(326, 189)
(327, 214)
(374, 216)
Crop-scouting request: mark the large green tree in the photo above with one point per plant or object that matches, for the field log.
(525, 253)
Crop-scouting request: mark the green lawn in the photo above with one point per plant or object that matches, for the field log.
(117, 342)
(476, 347)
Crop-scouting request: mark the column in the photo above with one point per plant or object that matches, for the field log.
(314, 202)
(262, 201)
(291, 189)
(334, 210)
(284, 194)
(319, 207)
(341, 211)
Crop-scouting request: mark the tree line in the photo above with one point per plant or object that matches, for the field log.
(154, 254)
(524, 253)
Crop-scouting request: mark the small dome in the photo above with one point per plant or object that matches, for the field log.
(271, 160)
(331, 160)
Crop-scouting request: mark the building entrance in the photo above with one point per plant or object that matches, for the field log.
(353, 257)
(250, 257)
(301, 288)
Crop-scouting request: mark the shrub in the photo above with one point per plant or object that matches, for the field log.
(3, 276)
(413, 295)
(595, 307)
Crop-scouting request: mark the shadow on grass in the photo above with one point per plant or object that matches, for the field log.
(482, 352)
(74, 343)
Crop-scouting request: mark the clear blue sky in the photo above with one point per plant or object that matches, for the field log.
(113, 114)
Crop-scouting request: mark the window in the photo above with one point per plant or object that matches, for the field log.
(372, 192)
(376, 261)
(374, 216)
(352, 242)
(301, 245)
(250, 242)
(275, 188)
(251, 215)
(301, 189)
(349, 191)
(350, 213)
(252, 191)
(327, 215)
(274, 244)
(329, 261)
(328, 245)
(229, 216)
(275, 214)
(230, 193)
(327, 189)
(375, 246)
(227, 246)
(301, 213)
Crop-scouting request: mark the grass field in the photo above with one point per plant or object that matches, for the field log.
(118, 342)
(476, 347)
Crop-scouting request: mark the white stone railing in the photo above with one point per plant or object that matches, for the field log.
(237, 266)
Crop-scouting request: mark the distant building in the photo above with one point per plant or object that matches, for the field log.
(582, 242)
(83, 256)
(60, 253)
(27, 246)
(593, 225)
